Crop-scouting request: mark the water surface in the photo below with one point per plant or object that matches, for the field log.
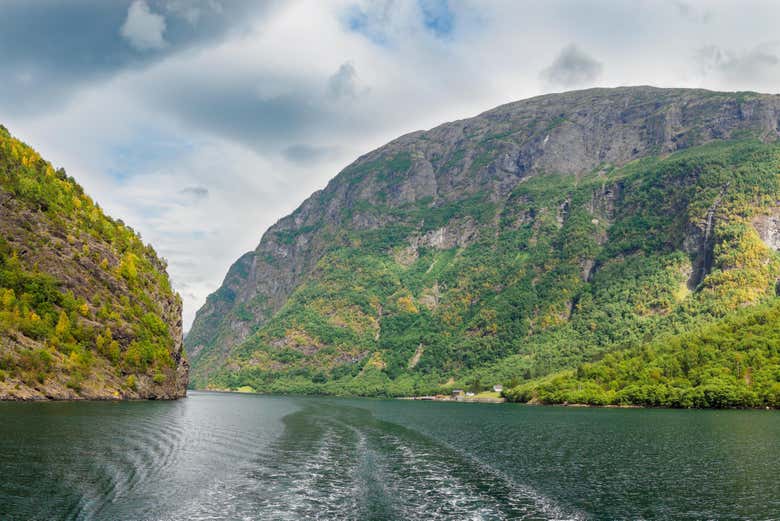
(229, 456)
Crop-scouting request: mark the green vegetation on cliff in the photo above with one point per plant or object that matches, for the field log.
(86, 309)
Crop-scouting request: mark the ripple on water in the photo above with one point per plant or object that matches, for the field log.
(226, 457)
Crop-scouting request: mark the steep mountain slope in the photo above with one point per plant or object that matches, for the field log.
(534, 237)
(86, 309)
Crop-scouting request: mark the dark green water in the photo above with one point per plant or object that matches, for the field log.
(222, 456)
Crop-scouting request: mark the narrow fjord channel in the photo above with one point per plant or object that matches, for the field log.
(230, 456)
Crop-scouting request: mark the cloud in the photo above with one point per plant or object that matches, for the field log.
(692, 12)
(307, 154)
(50, 50)
(204, 142)
(193, 10)
(343, 83)
(571, 68)
(372, 21)
(438, 17)
(196, 192)
(268, 108)
(757, 65)
(143, 29)
(240, 111)
(389, 22)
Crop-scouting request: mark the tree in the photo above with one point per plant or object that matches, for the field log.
(62, 329)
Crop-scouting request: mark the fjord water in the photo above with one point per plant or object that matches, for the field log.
(229, 456)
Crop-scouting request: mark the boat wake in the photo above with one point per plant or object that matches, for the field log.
(340, 463)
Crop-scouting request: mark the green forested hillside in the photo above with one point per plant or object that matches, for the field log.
(535, 238)
(732, 362)
(86, 309)
(575, 281)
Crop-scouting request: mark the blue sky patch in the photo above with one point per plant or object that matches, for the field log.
(435, 17)
(359, 21)
(145, 153)
(438, 17)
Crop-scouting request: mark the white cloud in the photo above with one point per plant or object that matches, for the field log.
(741, 69)
(143, 29)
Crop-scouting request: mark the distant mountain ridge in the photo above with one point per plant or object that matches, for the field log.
(531, 238)
(86, 308)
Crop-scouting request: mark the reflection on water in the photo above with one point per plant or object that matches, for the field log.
(225, 456)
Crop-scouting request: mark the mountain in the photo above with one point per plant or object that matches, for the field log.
(86, 309)
(538, 237)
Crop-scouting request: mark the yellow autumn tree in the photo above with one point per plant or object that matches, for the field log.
(128, 266)
(62, 329)
(406, 303)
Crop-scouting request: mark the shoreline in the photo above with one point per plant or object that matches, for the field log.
(94, 398)
(465, 399)
(634, 406)
(490, 400)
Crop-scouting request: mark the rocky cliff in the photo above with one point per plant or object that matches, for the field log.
(529, 238)
(86, 309)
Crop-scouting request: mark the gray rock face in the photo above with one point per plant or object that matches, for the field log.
(768, 228)
(571, 134)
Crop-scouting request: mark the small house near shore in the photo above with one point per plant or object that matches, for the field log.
(498, 388)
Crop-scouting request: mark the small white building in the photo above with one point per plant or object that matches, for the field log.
(498, 388)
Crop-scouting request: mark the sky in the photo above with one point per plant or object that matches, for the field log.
(200, 123)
